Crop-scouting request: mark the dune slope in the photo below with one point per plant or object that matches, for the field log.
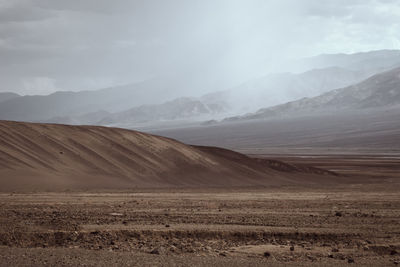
(57, 157)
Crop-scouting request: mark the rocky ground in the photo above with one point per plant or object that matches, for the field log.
(356, 225)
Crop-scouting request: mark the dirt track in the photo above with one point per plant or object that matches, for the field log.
(248, 227)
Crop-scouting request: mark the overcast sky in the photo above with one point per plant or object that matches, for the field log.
(49, 45)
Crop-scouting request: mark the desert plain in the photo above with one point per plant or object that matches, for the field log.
(355, 223)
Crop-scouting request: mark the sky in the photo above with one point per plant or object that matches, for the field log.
(52, 45)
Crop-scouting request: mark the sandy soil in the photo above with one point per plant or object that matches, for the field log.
(54, 157)
(198, 212)
(241, 227)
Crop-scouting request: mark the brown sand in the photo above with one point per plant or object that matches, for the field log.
(48, 157)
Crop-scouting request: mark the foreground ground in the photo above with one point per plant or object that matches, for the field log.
(237, 228)
(333, 225)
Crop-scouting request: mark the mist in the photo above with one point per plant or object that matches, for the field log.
(202, 46)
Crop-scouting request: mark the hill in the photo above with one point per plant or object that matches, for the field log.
(58, 157)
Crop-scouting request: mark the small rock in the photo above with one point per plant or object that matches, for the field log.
(338, 214)
(167, 225)
(116, 214)
(292, 248)
(396, 262)
(335, 250)
(190, 250)
(311, 258)
(393, 252)
(155, 251)
(267, 254)
(223, 254)
(350, 260)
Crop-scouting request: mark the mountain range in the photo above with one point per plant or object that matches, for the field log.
(162, 100)
(360, 118)
(65, 103)
(379, 91)
(177, 109)
(371, 62)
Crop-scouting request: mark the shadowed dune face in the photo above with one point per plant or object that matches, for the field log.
(58, 157)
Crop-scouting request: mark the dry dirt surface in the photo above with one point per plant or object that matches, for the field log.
(56, 157)
(355, 225)
(207, 206)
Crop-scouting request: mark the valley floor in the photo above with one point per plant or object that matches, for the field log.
(355, 224)
(256, 227)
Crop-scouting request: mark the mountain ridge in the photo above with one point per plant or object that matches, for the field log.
(379, 91)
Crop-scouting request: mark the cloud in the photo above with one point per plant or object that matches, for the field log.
(39, 85)
(208, 44)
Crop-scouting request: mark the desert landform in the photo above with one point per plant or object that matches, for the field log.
(99, 196)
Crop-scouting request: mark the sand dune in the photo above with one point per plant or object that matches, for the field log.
(57, 157)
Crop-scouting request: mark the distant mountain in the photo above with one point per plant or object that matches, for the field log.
(371, 62)
(60, 104)
(90, 118)
(311, 77)
(274, 89)
(7, 96)
(379, 91)
(177, 109)
(362, 118)
(136, 101)
(180, 108)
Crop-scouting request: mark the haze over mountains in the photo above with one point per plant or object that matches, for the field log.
(7, 96)
(156, 101)
(380, 91)
(359, 118)
(177, 109)
(279, 88)
(372, 62)
(36, 108)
